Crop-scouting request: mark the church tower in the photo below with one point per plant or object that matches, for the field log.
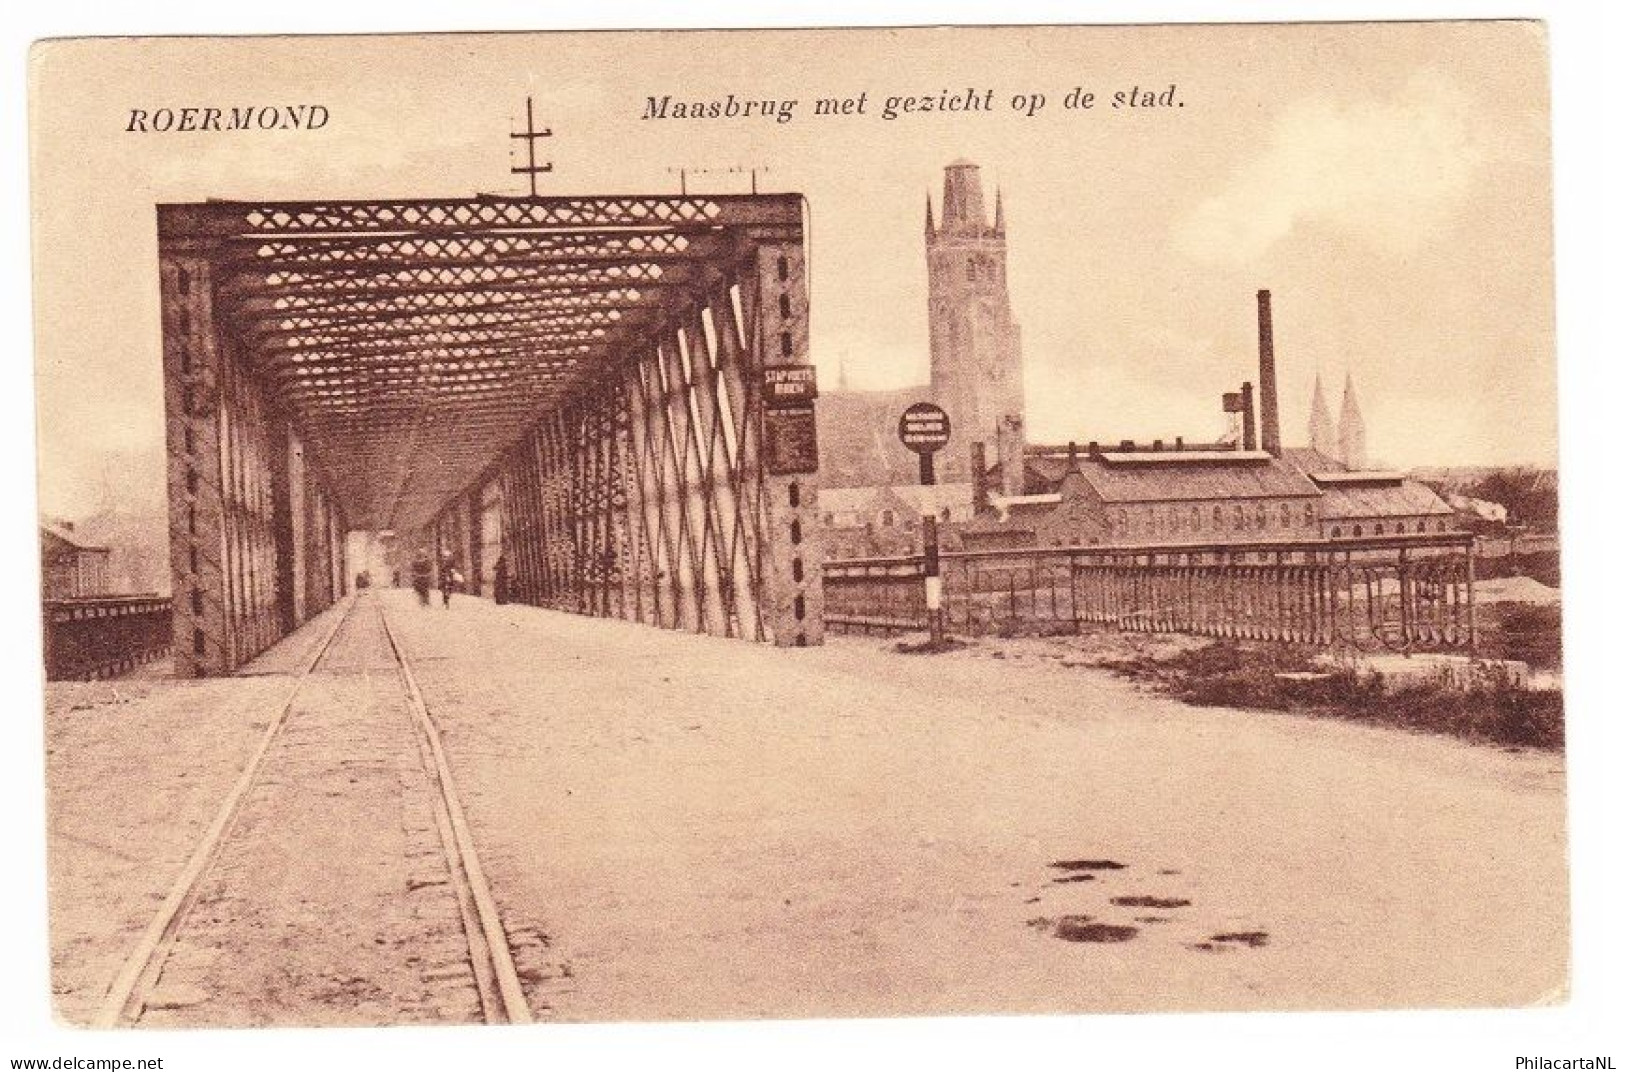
(975, 342)
(1351, 429)
(1322, 433)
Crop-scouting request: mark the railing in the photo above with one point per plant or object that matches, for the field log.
(1399, 593)
(103, 636)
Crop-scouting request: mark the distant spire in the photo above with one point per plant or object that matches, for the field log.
(1322, 433)
(930, 223)
(998, 211)
(1351, 428)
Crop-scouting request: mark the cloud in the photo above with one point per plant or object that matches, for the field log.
(1388, 172)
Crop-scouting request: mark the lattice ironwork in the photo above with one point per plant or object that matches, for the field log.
(1399, 593)
(594, 357)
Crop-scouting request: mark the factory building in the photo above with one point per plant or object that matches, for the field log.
(1247, 487)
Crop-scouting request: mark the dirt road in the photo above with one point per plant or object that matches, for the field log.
(703, 828)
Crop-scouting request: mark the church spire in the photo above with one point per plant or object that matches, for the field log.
(1322, 433)
(930, 223)
(998, 211)
(1351, 428)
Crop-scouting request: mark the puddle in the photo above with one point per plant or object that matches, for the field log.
(1085, 877)
(1081, 929)
(1088, 865)
(1253, 939)
(1150, 902)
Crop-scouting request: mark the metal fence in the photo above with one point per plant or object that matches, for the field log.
(104, 636)
(1399, 593)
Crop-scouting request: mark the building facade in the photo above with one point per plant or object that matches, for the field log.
(70, 568)
(1134, 496)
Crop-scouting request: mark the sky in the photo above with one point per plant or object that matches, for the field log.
(1390, 185)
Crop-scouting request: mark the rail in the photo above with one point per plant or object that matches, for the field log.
(1398, 593)
(103, 636)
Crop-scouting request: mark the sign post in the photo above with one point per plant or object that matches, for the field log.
(924, 429)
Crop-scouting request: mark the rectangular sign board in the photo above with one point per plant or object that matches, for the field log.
(790, 441)
(789, 385)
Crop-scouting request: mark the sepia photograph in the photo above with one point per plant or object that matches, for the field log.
(793, 524)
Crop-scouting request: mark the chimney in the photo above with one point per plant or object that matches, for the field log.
(1012, 456)
(1249, 424)
(1094, 448)
(1269, 414)
(1179, 442)
(981, 503)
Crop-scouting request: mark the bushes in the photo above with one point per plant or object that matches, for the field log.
(1283, 678)
(1529, 632)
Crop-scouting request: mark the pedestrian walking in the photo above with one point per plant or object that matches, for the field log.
(451, 581)
(499, 579)
(422, 574)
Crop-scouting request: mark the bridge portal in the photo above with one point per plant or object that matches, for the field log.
(576, 384)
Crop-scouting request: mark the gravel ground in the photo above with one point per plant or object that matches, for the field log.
(330, 901)
(135, 772)
(681, 827)
(684, 827)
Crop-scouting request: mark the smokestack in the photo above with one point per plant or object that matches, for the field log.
(980, 502)
(1271, 418)
(1249, 424)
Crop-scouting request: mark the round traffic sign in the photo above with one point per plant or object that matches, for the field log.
(923, 428)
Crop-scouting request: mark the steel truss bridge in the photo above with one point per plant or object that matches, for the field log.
(584, 373)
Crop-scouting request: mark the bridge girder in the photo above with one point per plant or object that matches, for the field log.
(594, 365)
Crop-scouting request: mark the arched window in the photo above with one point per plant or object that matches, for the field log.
(1379, 530)
(1308, 513)
(1241, 517)
(1263, 518)
(1337, 530)
(1359, 530)
(970, 269)
(1218, 517)
(1400, 528)
(1196, 519)
(887, 518)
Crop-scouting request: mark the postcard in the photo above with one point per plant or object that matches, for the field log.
(715, 525)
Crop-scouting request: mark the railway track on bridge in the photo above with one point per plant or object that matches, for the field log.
(139, 986)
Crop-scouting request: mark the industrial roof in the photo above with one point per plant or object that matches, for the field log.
(67, 535)
(1245, 478)
(1404, 499)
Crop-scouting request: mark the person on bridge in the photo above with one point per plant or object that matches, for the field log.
(499, 579)
(451, 579)
(421, 575)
